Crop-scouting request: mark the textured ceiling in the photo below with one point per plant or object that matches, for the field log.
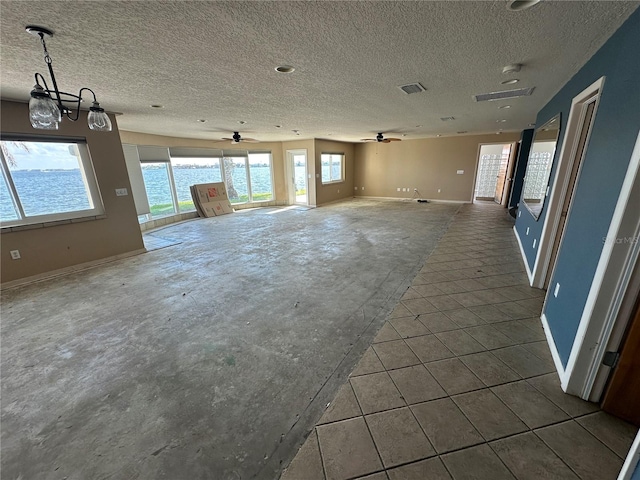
(215, 61)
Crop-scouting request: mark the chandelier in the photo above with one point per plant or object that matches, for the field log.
(47, 106)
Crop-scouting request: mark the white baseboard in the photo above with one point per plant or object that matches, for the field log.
(553, 349)
(67, 270)
(405, 199)
(632, 461)
(524, 257)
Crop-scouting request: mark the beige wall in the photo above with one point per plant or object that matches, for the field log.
(426, 164)
(280, 188)
(56, 247)
(334, 191)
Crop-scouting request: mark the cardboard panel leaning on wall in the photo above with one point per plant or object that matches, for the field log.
(48, 249)
(427, 164)
(334, 191)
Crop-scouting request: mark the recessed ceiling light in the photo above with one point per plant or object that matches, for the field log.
(418, 126)
(518, 5)
(502, 120)
(438, 135)
(510, 82)
(201, 120)
(513, 68)
(505, 106)
(278, 126)
(241, 122)
(285, 69)
(404, 134)
(157, 106)
(447, 119)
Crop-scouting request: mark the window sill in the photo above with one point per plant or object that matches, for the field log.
(333, 182)
(35, 226)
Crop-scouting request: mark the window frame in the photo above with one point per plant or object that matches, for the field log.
(86, 170)
(342, 168)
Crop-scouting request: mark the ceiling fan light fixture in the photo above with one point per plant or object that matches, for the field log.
(97, 119)
(44, 114)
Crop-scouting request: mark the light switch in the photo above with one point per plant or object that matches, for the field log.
(121, 192)
(460, 172)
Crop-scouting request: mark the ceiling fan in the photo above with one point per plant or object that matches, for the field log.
(237, 139)
(380, 138)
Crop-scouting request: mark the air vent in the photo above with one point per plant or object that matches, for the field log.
(447, 119)
(519, 92)
(412, 88)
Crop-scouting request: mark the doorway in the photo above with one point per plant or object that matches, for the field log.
(299, 177)
(493, 173)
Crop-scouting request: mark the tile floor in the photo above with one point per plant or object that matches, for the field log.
(459, 382)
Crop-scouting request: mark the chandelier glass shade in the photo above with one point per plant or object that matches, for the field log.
(48, 106)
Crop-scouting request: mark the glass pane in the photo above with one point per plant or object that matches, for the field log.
(235, 176)
(336, 167)
(48, 177)
(260, 175)
(191, 171)
(156, 182)
(7, 208)
(326, 167)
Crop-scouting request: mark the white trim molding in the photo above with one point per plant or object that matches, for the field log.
(524, 257)
(615, 267)
(561, 179)
(632, 460)
(552, 347)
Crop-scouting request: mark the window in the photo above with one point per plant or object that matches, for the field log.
(189, 171)
(332, 167)
(46, 181)
(260, 176)
(157, 181)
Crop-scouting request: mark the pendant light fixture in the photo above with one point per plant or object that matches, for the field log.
(47, 106)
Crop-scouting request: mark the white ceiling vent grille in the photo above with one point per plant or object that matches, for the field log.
(519, 92)
(412, 88)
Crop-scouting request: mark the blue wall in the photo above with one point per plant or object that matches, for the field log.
(636, 473)
(613, 137)
(521, 167)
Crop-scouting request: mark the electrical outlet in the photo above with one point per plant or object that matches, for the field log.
(355, 188)
(361, 188)
(535, 240)
(459, 172)
(439, 190)
(338, 190)
(398, 189)
(15, 254)
(121, 192)
(555, 292)
(527, 233)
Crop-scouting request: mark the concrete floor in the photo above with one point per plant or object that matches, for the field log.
(210, 358)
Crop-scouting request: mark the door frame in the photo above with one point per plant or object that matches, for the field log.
(291, 173)
(511, 162)
(611, 285)
(560, 184)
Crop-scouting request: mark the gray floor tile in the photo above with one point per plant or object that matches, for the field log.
(342, 407)
(489, 369)
(541, 350)
(534, 305)
(531, 406)
(409, 327)
(428, 348)
(470, 284)
(374, 476)
(489, 415)
(376, 392)
(514, 310)
(454, 376)
(395, 354)
(515, 293)
(524, 363)
(518, 332)
(464, 317)
(398, 437)
(460, 342)
(369, 363)
(451, 287)
(468, 299)
(410, 294)
(476, 463)
(615, 433)
(445, 425)
(428, 290)
(347, 449)
(444, 302)
(549, 386)
(416, 384)
(530, 459)
(419, 306)
(589, 458)
(431, 277)
(431, 469)
(490, 314)
(401, 311)
(491, 296)
(307, 463)
(386, 334)
(438, 322)
(489, 337)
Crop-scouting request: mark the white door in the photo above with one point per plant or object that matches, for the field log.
(299, 177)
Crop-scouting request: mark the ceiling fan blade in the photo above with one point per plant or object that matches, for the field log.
(368, 140)
(393, 139)
(385, 140)
(250, 140)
